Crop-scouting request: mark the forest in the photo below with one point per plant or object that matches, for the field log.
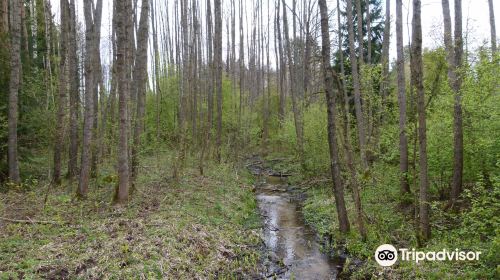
(249, 139)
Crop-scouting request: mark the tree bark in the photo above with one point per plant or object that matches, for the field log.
(369, 29)
(458, 142)
(385, 53)
(338, 189)
(218, 74)
(14, 85)
(92, 31)
(282, 68)
(356, 84)
(139, 81)
(61, 106)
(492, 28)
(359, 13)
(341, 53)
(293, 90)
(400, 65)
(123, 21)
(417, 81)
(74, 95)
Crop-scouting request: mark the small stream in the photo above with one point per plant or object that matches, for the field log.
(292, 247)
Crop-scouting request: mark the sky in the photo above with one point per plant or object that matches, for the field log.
(475, 13)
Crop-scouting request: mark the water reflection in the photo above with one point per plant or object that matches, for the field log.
(287, 236)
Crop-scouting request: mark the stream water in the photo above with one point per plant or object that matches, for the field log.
(292, 246)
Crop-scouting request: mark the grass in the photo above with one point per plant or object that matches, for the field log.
(202, 227)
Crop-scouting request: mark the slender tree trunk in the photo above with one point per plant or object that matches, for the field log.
(14, 85)
(139, 80)
(74, 95)
(97, 72)
(293, 90)
(359, 13)
(385, 53)
(89, 99)
(448, 42)
(492, 28)
(341, 53)
(338, 189)
(356, 84)
(218, 74)
(417, 77)
(400, 64)
(282, 68)
(92, 31)
(369, 28)
(458, 141)
(123, 22)
(61, 106)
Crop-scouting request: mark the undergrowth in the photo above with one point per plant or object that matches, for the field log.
(199, 227)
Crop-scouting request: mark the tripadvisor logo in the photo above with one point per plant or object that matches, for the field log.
(387, 255)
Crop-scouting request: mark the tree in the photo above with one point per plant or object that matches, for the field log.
(401, 83)
(139, 84)
(218, 73)
(74, 96)
(63, 87)
(356, 87)
(14, 85)
(417, 81)
(123, 22)
(492, 27)
(338, 189)
(384, 87)
(293, 89)
(92, 25)
(458, 141)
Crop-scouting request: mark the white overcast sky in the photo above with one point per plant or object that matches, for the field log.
(475, 21)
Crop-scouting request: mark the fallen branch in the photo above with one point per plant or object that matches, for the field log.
(30, 221)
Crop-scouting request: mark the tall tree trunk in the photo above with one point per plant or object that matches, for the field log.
(97, 80)
(359, 13)
(14, 85)
(74, 95)
(218, 74)
(341, 53)
(384, 87)
(458, 141)
(89, 100)
(369, 28)
(338, 189)
(448, 42)
(123, 22)
(210, 97)
(63, 88)
(242, 66)
(417, 81)
(400, 65)
(282, 68)
(492, 28)
(139, 81)
(92, 31)
(156, 70)
(293, 90)
(356, 84)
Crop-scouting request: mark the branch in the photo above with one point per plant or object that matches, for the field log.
(30, 221)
